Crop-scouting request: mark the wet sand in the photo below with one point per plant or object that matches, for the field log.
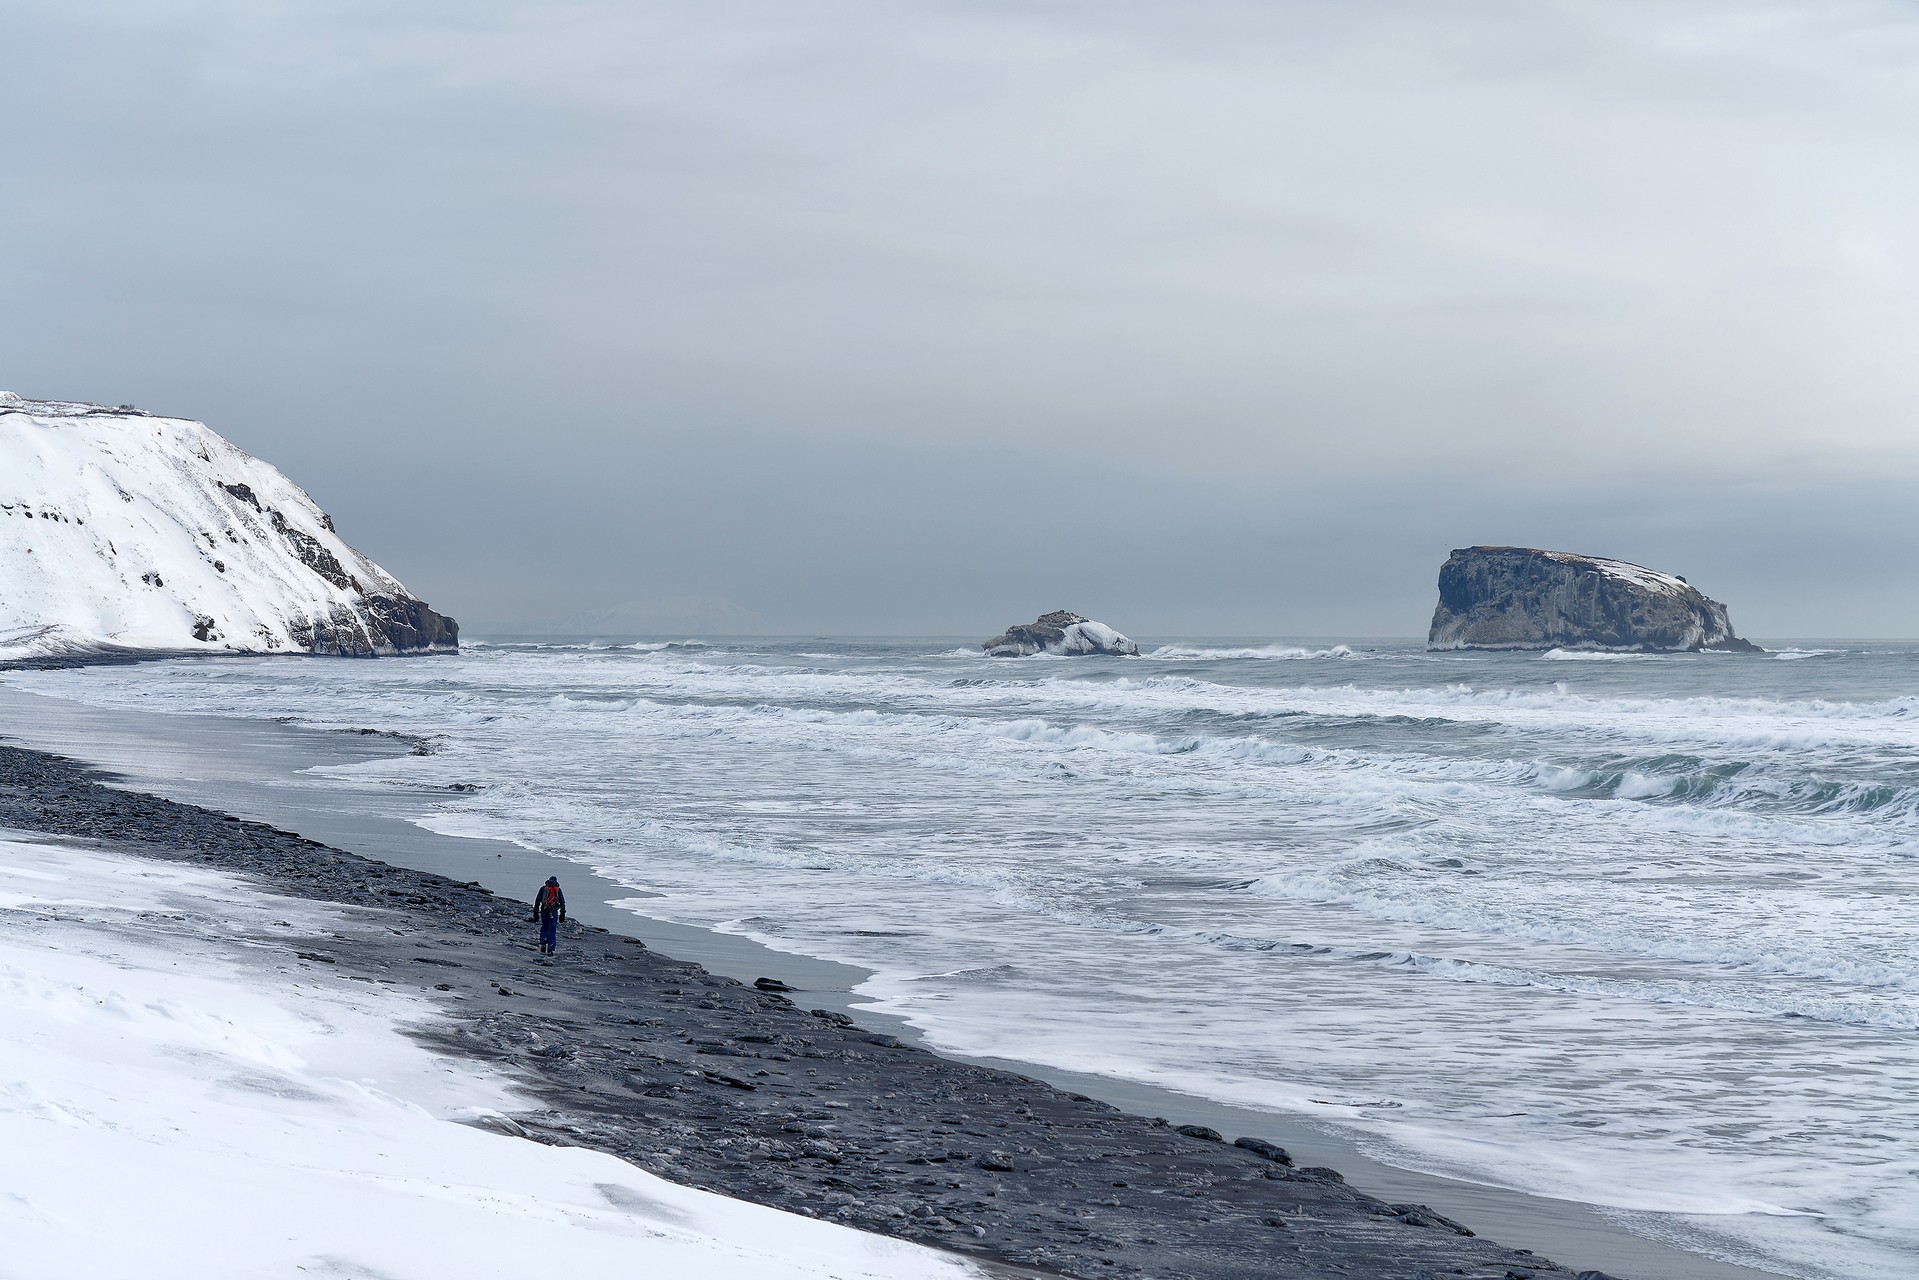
(1185, 1209)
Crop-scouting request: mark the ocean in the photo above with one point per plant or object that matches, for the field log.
(1636, 931)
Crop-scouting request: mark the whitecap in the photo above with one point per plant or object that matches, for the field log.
(1270, 652)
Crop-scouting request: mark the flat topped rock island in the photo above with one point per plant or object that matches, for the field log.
(125, 532)
(1523, 598)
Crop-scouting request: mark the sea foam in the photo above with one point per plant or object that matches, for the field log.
(1608, 929)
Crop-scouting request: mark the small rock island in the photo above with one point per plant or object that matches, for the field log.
(1524, 598)
(1060, 632)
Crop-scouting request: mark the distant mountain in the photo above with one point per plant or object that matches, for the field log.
(124, 531)
(658, 616)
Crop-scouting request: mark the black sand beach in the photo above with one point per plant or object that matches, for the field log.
(715, 1084)
(259, 768)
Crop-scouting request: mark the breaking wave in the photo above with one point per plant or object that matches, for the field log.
(1277, 652)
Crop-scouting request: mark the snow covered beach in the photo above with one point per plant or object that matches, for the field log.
(182, 1094)
(645, 1058)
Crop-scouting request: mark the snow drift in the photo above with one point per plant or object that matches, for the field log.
(181, 1098)
(123, 531)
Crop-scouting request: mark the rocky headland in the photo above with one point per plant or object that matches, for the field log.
(1060, 632)
(125, 532)
(1524, 598)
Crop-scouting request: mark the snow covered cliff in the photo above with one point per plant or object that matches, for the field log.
(122, 531)
(1522, 598)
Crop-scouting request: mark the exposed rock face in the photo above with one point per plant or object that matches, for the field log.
(124, 531)
(1522, 598)
(1060, 632)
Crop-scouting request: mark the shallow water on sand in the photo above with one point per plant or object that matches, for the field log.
(1634, 931)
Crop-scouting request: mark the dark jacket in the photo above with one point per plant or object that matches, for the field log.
(549, 901)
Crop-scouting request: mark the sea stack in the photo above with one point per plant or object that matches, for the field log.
(1523, 598)
(122, 531)
(1060, 632)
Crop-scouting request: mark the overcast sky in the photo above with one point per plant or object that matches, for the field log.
(1200, 316)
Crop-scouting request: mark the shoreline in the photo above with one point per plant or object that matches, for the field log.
(712, 1084)
(1564, 1228)
(173, 1062)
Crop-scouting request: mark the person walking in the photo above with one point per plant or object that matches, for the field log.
(549, 908)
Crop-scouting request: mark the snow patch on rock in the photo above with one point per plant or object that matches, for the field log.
(1061, 632)
(124, 531)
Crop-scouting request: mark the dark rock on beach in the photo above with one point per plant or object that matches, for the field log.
(715, 1084)
(1522, 598)
(1265, 1150)
(1060, 632)
(1419, 1215)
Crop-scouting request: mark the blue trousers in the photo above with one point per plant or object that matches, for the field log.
(550, 931)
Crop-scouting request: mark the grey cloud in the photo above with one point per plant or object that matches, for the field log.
(1223, 317)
